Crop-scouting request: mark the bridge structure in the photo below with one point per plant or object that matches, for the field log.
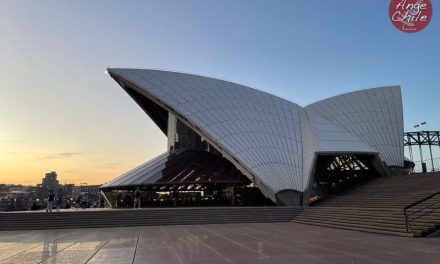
(422, 140)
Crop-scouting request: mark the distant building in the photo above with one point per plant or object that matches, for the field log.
(90, 192)
(68, 189)
(15, 197)
(50, 181)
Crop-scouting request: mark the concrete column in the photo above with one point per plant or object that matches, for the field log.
(171, 131)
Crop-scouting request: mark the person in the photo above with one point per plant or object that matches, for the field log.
(85, 202)
(34, 206)
(137, 198)
(78, 201)
(59, 199)
(118, 200)
(50, 200)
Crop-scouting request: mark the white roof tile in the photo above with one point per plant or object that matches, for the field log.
(273, 139)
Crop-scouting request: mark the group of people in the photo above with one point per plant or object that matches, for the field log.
(54, 199)
(82, 202)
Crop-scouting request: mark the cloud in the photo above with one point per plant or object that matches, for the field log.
(63, 155)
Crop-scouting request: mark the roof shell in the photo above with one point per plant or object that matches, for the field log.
(261, 131)
(273, 140)
(373, 115)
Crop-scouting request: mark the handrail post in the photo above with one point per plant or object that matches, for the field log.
(417, 211)
(406, 219)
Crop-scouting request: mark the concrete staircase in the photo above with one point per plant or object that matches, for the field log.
(387, 221)
(377, 207)
(146, 217)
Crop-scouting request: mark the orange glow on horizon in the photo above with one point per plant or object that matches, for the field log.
(27, 168)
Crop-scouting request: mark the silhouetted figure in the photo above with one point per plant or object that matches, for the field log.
(50, 201)
(78, 201)
(174, 198)
(118, 200)
(84, 202)
(59, 199)
(137, 198)
(35, 206)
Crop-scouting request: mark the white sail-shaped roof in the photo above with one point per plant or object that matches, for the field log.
(331, 137)
(260, 131)
(274, 142)
(374, 115)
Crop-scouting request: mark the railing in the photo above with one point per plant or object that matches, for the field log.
(429, 163)
(426, 210)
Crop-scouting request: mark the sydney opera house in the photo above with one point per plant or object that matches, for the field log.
(229, 144)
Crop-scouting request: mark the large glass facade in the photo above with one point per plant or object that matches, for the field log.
(335, 174)
(186, 178)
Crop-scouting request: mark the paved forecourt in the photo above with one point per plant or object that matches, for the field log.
(227, 243)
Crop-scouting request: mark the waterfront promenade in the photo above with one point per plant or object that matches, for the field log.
(226, 243)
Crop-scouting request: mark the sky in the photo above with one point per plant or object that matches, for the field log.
(60, 112)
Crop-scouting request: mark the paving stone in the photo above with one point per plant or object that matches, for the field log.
(212, 244)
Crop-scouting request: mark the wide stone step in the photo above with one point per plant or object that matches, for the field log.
(360, 212)
(159, 216)
(415, 229)
(120, 220)
(369, 222)
(360, 229)
(418, 222)
(353, 226)
(126, 223)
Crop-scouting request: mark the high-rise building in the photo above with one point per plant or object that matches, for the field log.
(50, 181)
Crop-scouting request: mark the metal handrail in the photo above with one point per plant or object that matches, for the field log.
(405, 209)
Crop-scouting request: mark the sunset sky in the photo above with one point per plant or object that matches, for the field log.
(60, 112)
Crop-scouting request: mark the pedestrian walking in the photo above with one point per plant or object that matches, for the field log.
(59, 199)
(78, 201)
(85, 201)
(50, 201)
(118, 200)
(137, 198)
